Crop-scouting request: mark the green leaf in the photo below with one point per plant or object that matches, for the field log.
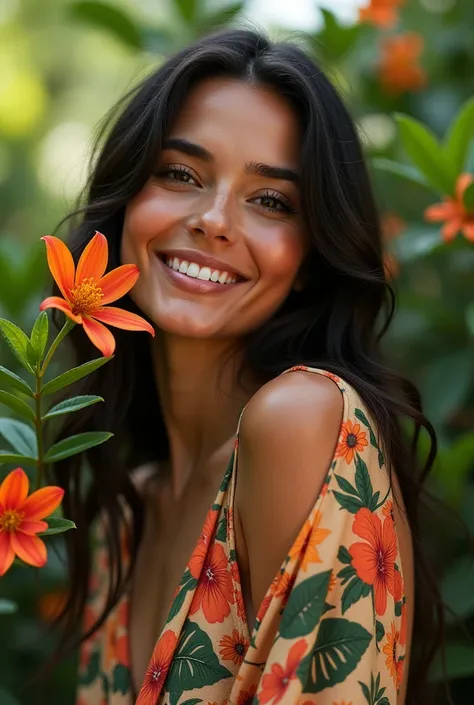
(215, 20)
(456, 589)
(57, 525)
(39, 335)
(109, 18)
(379, 631)
(339, 647)
(459, 663)
(346, 486)
(426, 153)
(363, 482)
(344, 556)
(73, 404)
(221, 534)
(460, 135)
(188, 583)
(468, 198)
(17, 341)
(71, 376)
(7, 377)
(121, 679)
(187, 9)
(7, 606)
(76, 444)
(454, 465)
(453, 374)
(366, 692)
(363, 419)
(355, 590)
(352, 504)
(90, 673)
(16, 459)
(194, 665)
(19, 435)
(305, 606)
(417, 243)
(17, 405)
(405, 171)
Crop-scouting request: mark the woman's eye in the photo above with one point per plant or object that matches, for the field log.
(181, 175)
(275, 204)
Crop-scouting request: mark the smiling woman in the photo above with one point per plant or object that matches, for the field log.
(249, 535)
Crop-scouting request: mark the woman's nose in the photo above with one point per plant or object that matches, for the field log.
(213, 221)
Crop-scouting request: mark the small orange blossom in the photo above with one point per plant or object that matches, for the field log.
(383, 13)
(20, 519)
(399, 70)
(453, 212)
(86, 290)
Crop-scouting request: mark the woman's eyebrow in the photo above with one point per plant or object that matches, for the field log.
(254, 168)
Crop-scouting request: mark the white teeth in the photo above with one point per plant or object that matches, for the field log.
(204, 274)
(192, 269)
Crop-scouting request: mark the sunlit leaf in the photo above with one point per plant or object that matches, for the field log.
(75, 444)
(17, 341)
(187, 9)
(74, 404)
(19, 435)
(7, 377)
(7, 607)
(405, 171)
(74, 375)
(108, 18)
(16, 458)
(39, 335)
(17, 405)
(57, 525)
(427, 154)
(460, 135)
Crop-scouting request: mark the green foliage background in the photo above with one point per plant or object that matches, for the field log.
(64, 63)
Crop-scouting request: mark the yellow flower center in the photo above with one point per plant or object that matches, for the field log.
(86, 297)
(10, 520)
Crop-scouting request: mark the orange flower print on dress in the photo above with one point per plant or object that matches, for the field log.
(234, 647)
(246, 697)
(399, 70)
(308, 539)
(157, 669)
(453, 212)
(275, 683)
(394, 664)
(351, 440)
(382, 13)
(374, 560)
(214, 592)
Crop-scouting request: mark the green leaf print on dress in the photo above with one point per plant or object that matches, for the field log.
(305, 606)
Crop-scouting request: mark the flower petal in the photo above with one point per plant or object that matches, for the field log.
(451, 228)
(32, 527)
(62, 305)
(30, 549)
(7, 554)
(14, 489)
(42, 503)
(438, 212)
(100, 336)
(93, 261)
(468, 230)
(60, 263)
(126, 320)
(118, 282)
(462, 183)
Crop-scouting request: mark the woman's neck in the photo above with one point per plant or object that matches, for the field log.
(201, 400)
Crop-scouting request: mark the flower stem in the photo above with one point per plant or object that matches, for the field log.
(69, 325)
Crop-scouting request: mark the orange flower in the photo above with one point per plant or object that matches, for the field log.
(387, 509)
(394, 664)
(51, 604)
(352, 439)
(86, 290)
(246, 697)
(214, 591)
(20, 519)
(382, 13)
(158, 668)
(398, 68)
(307, 541)
(233, 647)
(275, 683)
(374, 561)
(453, 212)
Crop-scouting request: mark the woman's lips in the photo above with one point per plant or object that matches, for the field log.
(194, 285)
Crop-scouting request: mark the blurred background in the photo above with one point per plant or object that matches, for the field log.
(63, 64)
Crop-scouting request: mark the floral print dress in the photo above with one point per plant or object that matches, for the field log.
(331, 629)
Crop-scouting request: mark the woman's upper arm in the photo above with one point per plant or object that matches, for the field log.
(288, 436)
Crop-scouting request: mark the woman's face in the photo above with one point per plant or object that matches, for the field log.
(222, 204)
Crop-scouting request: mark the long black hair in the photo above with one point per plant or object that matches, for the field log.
(335, 322)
